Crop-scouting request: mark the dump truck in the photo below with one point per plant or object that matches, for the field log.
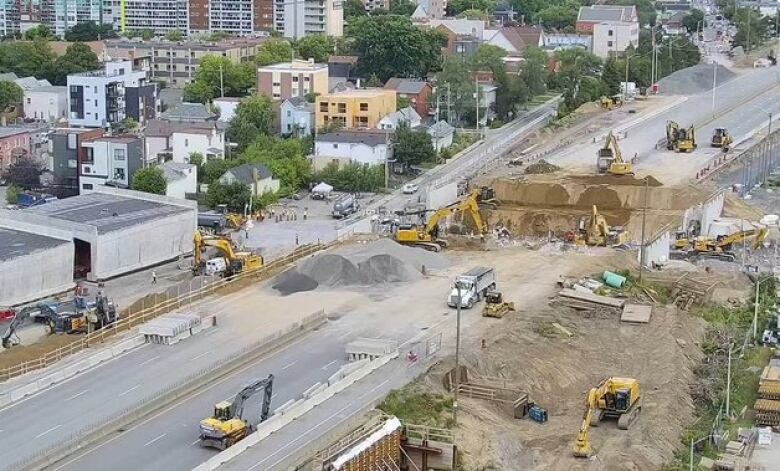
(472, 287)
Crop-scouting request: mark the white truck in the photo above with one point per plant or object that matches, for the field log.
(474, 285)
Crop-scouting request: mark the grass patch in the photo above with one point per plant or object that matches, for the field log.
(633, 288)
(413, 405)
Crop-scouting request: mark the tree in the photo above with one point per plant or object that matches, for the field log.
(28, 58)
(489, 57)
(455, 7)
(213, 169)
(315, 46)
(39, 32)
(12, 194)
(274, 51)
(77, 58)
(413, 147)
(402, 7)
(353, 177)
(402, 102)
(174, 35)
(559, 16)
(90, 31)
(752, 28)
(197, 159)
(235, 195)
(24, 173)
(254, 117)
(214, 72)
(534, 70)
(150, 180)
(10, 93)
(391, 46)
(146, 34)
(456, 89)
(693, 19)
(283, 157)
(354, 9)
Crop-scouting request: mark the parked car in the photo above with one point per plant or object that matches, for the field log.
(410, 188)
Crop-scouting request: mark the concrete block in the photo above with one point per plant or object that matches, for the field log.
(315, 390)
(23, 391)
(335, 378)
(313, 387)
(353, 366)
(283, 407)
(103, 355)
(76, 368)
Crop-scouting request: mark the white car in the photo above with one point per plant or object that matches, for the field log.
(410, 188)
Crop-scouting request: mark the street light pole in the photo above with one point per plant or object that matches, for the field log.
(642, 242)
(714, 83)
(457, 357)
(755, 310)
(728, 384)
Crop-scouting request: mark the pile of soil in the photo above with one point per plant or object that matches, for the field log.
(696, 79)
(540, 167)
(291, 282)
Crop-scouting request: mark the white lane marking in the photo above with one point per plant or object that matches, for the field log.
(195, 442)
(373, 389)
(154, 439)
(149, 360)
(272, 396)
(50, 430)
(328, 365)
(345, 334)
(289, 365)
(76, 395)
(202, 355)
(130, 390)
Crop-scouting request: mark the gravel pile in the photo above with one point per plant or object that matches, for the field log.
(291, 282)
(696, 79)
(409, 255)
(540, 167)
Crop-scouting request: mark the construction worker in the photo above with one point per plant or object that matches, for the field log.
(305, 213)
(154, 277)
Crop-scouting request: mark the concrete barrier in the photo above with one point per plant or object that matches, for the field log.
(284, 407)
(5, 399)
(24, 391)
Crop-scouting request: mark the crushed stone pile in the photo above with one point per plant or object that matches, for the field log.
(542, 166)
(382, 261)
(696, 79)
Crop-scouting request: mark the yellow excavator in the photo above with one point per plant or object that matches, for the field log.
(610, 158)
(679, 139)
(721, 138)
(235, 262)
(719, 247)
(227, 426)
(427, 236)
(598, 233)
(613, 398)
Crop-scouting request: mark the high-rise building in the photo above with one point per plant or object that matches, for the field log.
(161, 16)
(237, 17)
(298, 18)
(61, 15)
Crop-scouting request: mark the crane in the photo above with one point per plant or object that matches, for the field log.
(427, 236)
(227, 425)
(610, 158)
(612, 398)
(236, 261)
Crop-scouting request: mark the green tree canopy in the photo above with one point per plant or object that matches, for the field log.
(77, 58)
(10, 93)
(353, 9)
(236, 195)
(89, 31)
(455, 90)
(149, 180)
(413, 147)
(12, 194)
(390, 46)
(489, 58)
(254, 117)
(236, 78)
(315, 46)
(283, 157)
(24, 173)
(353, 177)
(402, 7)
(210, 171)
(534, 72)
(273, 51)
(559, 16)
(39, 32)
(26, 58)
(455, 7)
(693, 19)
(174, 35)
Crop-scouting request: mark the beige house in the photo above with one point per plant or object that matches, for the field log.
(360, 108)
(256, 176)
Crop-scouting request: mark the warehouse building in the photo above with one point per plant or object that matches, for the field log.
(106, 233)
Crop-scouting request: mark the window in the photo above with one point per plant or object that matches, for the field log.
(277, 95)
(306, 79)
(295, 78)
(609, 43)
(324, 107)
(119, 154)
(364, 107)
(289, 113)
(87, 170)
(95, 89)
(86, 186)
(610, 33)
(335, 146)
(119, 174)
(72, 141)
(277, 84)
(28, 101)
(342, 107)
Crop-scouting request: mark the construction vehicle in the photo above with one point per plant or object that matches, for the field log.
(679, 139)
(345, 206)
(471, 287)
(598, 233)
(720, 246)
(612, 398)
(227, 425)
(722, 139)
(427, 235)
(219, 219)
(610, 159)
(610, 102)
(495, 306)
(235, 261)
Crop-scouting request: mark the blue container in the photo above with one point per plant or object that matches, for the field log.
(613, 279)
(538, 414)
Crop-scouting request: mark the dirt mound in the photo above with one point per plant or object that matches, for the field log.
(619, 180)
(540, 167)
(696, 79)
(330, 270)
(291, 282)
(409, 255)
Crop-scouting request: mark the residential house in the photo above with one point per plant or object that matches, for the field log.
(110, 161)
(417, 92)
(514, 39)
(429, 10)
(46, 103)
(14, 144)
(176, 141)
(342, 147)
(227, 107)
(97, 98)
(359, 108)
(296, 117)
(292, 79)
(67, 153)
(341, 69)
(441, 134)
(189, 113)
(182, 179)
(394, 120)
(372, 5)
(142, 102)
(672, 22)
(256, 176)
(463, 37)
(614, 28)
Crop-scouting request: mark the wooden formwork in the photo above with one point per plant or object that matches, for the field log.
(383, 454)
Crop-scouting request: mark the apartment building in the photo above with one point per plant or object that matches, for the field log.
(161, 16)
(109, 161)
(237, 17)
(613, 28)
(61, 15)
(177, 62)
(292, 79)
(298, 18)
(362, 108)
(97, 98)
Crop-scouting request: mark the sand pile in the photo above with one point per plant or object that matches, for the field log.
(542, 166)
(696, 79)
(382, 261)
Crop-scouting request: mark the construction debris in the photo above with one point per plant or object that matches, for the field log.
(592, 298)
(636, 313)
(541, 167)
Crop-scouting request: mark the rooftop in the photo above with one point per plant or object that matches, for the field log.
(6, 131)
(189, 112)
(176, 171)
(402, 85)
(15, 243)
(461, 26)
(359, 93)
(49, 89)
(162, 128)
(299, 103)
(107, 212)
(185, 44)
(245, 173)
(296, 64)
(607, 13)
(371, 138)
(117, 139)
(343, 59)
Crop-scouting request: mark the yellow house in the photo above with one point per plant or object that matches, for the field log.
(362, 108)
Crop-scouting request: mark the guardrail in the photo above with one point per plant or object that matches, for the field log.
(128, 320)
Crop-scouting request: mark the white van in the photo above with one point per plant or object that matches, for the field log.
(215, 266)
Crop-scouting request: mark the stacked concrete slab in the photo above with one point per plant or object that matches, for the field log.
(171, 328)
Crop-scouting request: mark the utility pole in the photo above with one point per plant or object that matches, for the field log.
(652, 59)
(714, 84)
(642, 243)
(770, 159)
(221, 82)
(449, 104)
(476, 95)
(728, 385)
(387, 158)
(748, 30)
(625, 87)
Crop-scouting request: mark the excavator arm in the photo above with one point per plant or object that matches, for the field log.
(16, 322)
(265, 385)
(582, 447)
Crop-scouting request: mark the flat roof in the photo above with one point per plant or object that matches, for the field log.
(14, 244)
(6, 131)
(106, 212)
(294, 66)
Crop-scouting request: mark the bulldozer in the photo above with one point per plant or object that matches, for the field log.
(613, 398)
(495, 306)
(236, 262)
(427, 235)
(227, 425)
(609, 103)
(598, 233)
(679, 139)
(722, 139)
(610, 158)
(720, 246)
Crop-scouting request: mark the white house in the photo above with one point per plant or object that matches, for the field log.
(256, 176)
(182, 179)
(165, 140)
(97, 98)
(341, 147)
(46, 103)
(227, 107)
(614, 37)
(109, 161)
(407, 115)
(441, 135)
(296, 117)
